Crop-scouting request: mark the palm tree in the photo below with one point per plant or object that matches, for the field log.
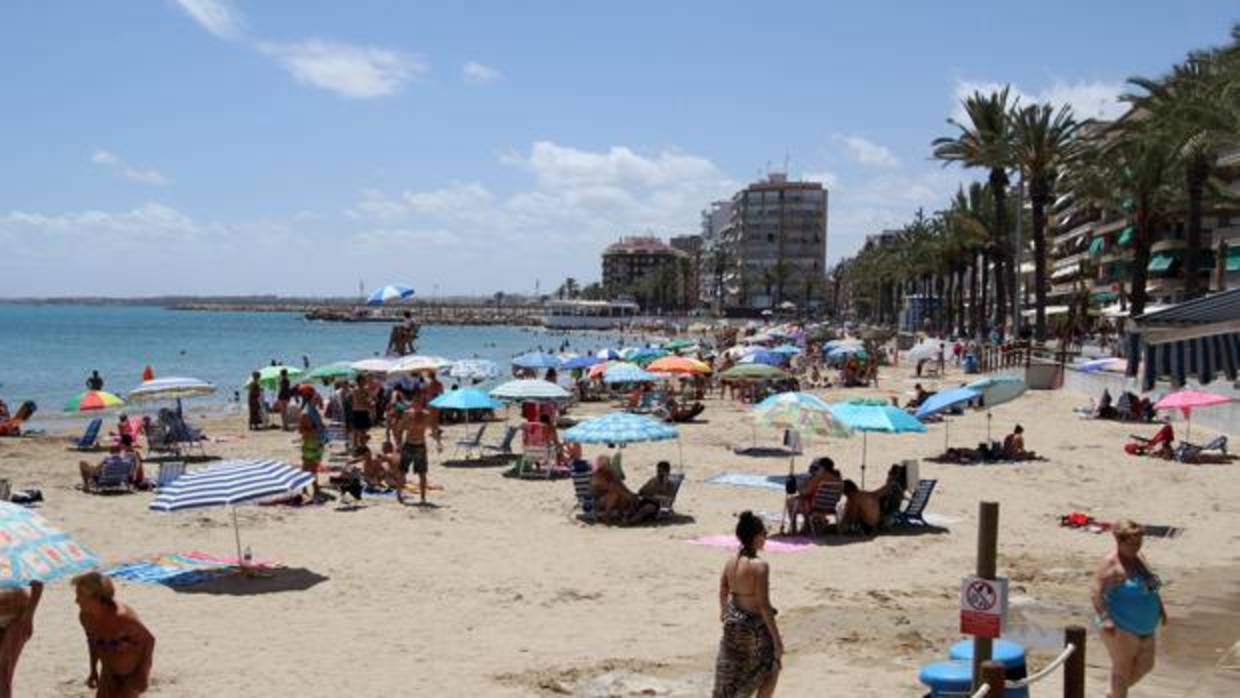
(1043, 141)
(986, 142)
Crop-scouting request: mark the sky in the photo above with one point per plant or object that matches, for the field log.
(235, 147)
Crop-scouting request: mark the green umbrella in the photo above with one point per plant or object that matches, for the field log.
(758, 371)
(340, 369)
(677, 344)
(269, 376)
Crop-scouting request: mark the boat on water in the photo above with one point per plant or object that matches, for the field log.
(588, 315)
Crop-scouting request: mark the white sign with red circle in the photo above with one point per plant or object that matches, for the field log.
(983, 606)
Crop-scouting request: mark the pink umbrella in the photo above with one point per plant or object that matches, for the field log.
(1186, 400)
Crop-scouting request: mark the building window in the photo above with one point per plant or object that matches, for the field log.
(1224, 220)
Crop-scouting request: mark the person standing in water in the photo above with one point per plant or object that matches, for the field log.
(1129, 607)
(751, 649)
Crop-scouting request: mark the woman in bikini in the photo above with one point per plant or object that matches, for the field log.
(17, 607)
(121, 648)
(751, 649)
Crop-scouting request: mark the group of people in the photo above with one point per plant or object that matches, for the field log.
(614, 502)
(120, 648)
(858, 511)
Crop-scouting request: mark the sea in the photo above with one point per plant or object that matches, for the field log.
(48, 350)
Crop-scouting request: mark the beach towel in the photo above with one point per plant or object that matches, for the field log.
(766, 482)
(785, 544)
(1084, 522)
(179, 569)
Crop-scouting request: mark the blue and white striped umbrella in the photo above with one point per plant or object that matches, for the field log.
(627, 373)
(388, 293)
(231, 482)
(530, 389)
(619, 428)
(173, 387)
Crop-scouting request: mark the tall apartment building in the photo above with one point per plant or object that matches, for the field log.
(714, 269)
(647, 269)
(773, 249)
(691, 245)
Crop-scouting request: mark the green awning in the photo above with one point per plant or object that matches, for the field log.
(1161, 262)
(1104, 297)
(1233, 258)
(1095, 247)
(1125, 236)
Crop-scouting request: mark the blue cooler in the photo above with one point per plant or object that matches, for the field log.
(947, 679)
(1010, 654)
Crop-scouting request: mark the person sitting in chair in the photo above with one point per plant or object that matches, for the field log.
(612, 500)
(821, 472)
(1014, 446)
(657, 490)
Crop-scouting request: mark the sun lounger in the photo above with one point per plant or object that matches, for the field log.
(169, 471)
(585, 496)
(504, 447)
(471, 444)
(90, 437)
(1188, 452)
(913, 513)
(115, 475)
(826, 503)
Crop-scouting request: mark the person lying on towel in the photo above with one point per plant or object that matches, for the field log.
(1159, 445)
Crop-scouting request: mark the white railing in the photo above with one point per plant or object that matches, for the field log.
(1046, 671)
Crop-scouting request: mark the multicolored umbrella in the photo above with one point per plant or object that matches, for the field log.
(1187, 400)
(93, 400)
(389, 293)
(32, 550)
(619, 428)
(372, 365)
(802, 412)
(171, 388)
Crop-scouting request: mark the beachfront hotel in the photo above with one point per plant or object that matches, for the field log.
(650, 271)
(771, 249)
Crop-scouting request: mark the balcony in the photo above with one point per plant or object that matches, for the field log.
(1074, 232)
(1168, 244)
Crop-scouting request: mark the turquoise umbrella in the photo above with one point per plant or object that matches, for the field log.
(31, 550)
(466, 399)
(627, 373)
(867, 418)
(620, 428)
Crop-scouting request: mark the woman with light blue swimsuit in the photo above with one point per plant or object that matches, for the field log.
(1129, 607)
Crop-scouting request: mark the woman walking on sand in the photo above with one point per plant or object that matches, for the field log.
(751, 650)
(1126, 598)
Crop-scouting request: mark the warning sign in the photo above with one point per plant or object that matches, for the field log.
(983, 606)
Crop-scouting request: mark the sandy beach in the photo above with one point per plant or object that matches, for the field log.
(497, 590)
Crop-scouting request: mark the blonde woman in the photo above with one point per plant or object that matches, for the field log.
(121, 648)
(1129, 607)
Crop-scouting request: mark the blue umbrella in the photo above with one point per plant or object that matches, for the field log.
(466, 399)
(388, 293)
(627, 373)
(942, 401)
(867, 418)
(786, 349)
(579, 362)
(769, 358)
(608, 354)
(230, 483)
(619, 428)
(536, 359)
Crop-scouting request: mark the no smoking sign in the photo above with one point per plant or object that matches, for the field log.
(983, 606)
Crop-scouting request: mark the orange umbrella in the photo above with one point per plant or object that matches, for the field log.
(677, 364)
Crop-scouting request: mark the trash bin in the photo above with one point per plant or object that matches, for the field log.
(1010, 654)
(947, 679)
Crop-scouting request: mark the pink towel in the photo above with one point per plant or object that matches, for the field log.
(790, 544)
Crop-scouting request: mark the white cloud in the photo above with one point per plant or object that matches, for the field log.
(867, 152)
(828, 179)
(1089, 99)
(351, 71)
(561, 166)
(479, 74)
(216, 16)
(110, 161)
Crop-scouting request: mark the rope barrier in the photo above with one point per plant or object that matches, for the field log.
(1046, 671)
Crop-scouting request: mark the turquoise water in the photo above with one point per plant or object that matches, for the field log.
(47, 351)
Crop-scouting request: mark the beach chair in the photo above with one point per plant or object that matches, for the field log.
(90, 437)
(470, 444)
(912, 514)
(667, 504)
(585, 496)
(1188, 452)
(169, 471)
(181, 433)
(115, 475)
(504, 447)
(826, 504)
(536, 446)
(159, 439)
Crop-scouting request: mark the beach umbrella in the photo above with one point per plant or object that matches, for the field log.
(627, 373)
(1187, 400)
(391, 292)
(923, 351)
(846, 350)
(32, 550)
(803, 412)
(645, 356)
(786, 349)
(677, 364)
(577, 362)
(608, 354)
(171, 388)
(1111, 363)
(372, 365)
(753, 371)
(230, 483)
(945, 400)
(677, 344)
(529, 389)
(536, 359)
(600, 368)
(619, 428)
(269, 376)
(332, 371)
(868, 418)
(465, 399)
(996, 390)
(474, 368)
(93, 400)
(769, 358)
(415, 363)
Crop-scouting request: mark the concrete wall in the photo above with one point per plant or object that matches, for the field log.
(1224, 418)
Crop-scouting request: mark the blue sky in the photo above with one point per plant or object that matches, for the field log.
(213, 146)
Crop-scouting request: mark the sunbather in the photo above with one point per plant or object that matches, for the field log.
(612, 500)
(1014, 446)
(1159, 445)
(12, 425)
(90, 471)
(121, 647)
(821, 472)
(657, 489)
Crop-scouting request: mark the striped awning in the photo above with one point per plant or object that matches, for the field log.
(1198, 339)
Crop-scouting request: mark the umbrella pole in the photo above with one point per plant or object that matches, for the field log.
(865, 440)
(988, 416)
(947, 428)
(237, 534)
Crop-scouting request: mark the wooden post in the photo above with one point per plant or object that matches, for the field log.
(993, 676)
(1074, 668)
(987, 551)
